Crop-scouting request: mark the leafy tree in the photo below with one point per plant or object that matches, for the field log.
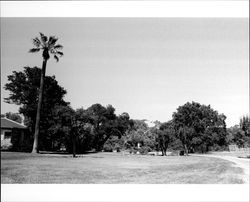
(24, 90)
(165, 135)
(85, 130)
(199, 126)
(150, 139)
(60, 129)
(245, 125)
(93, 127)
(114, 143)
(106, 124)
(143, 135)
(101, 118)
(186, 136)
(235, 135)
(135, 138)
(137, 135)
(47, 46)
(13, 116)
(82, 132)
(71, 129)
(239, 138)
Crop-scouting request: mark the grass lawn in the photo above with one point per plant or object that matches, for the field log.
(116, 168)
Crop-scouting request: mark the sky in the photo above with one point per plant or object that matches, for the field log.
(147, 67)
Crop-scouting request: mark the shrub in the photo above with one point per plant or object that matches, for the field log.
(133, 150)
(6, 144)
(144, 149)
(107, 148)
(117, 148)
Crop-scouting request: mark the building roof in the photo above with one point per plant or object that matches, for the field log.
(7, 123)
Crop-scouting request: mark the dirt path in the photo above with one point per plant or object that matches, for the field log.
(240, 162)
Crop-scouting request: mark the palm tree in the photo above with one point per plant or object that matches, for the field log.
(48, 47)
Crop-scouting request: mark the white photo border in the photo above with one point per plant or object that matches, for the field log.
(114, 192)
(184, 8)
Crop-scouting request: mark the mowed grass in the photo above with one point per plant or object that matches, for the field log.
(106, 168)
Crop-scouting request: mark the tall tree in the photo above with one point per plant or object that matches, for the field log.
(47, 46)
(164, 136)
(186, 136)
(137, 136)
(24, 90)
(61, 127)
(240, 134)
(199, 126)
(106, 124)
(245, 125)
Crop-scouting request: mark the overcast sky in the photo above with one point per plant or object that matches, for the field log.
(144, 66)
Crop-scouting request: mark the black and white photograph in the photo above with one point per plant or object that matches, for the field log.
(125, 100)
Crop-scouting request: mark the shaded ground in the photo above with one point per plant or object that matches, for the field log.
(116, 168)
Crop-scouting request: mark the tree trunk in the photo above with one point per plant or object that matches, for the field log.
(185, 149)
(74, 145)
(39, 107)
(163, 150)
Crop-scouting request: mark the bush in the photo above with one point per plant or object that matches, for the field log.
(144, 150)
(6, 144)
(133, 150)
(117, 148)
(107, 148)
(218, 148)
(175, 153)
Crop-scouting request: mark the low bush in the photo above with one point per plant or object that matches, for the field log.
(144, 150)
(6, 144)
(107, 148)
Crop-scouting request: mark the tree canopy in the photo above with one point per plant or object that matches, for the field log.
(199, 126)
(165, 135)
(24, 89)
(240, 134)
(106, 123)
(194, 126)
(245, 125)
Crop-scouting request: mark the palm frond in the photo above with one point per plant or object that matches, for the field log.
(58, 46)
(60, 53)
(43, 37)
(34, 50)
(36, 42)
(57, 59)
(52, 40)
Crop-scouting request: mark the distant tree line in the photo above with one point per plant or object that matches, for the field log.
(240, 134)
(78, 130)
(194, 127)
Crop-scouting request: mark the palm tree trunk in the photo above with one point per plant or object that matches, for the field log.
(39, 107)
